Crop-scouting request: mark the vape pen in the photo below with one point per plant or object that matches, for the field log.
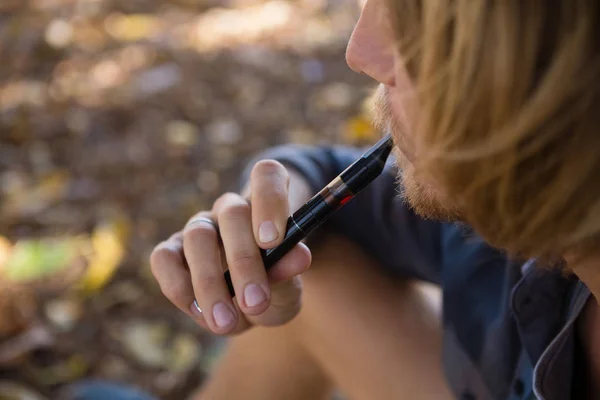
(332, 197)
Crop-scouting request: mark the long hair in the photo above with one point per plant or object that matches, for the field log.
(508, 126)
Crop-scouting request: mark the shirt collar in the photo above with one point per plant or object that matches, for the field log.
(552, 375)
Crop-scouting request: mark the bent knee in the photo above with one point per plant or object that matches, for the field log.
(340, 267)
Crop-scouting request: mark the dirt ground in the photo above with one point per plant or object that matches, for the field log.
(118, 120)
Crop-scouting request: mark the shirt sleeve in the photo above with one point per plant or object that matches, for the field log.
(377, 219)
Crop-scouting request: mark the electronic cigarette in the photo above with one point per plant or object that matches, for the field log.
(331, 198)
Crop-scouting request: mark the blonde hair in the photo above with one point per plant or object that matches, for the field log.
(508, 125)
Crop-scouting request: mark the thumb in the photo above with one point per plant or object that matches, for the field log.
(286, 288)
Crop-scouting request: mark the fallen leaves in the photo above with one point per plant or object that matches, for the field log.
(157, 80)
(5, 249)
(55, 265)
(334, 96)
(17, 348)
(132, 27)
(18, 309)
(30, 93)
(108, 245)
(121, 119)
(64, 313)
(220, 28)
(181, 134)
(70, 369)
(31, 260)
(225, 131)
(155, 345)
(208, 181)
(16, 391)
(35, 197)
(59, 33)
(360, 130)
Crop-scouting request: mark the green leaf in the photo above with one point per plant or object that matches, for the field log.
(35, 259)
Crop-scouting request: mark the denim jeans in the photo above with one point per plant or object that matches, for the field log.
(98, 390)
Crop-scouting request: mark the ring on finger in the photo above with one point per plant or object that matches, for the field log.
(204, 220)
(197, 306)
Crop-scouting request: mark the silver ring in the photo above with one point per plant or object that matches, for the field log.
(197, 306)
(206, 220)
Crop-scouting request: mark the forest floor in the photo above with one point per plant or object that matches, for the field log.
(118, 120)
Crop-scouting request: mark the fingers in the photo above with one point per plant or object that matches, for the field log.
(169, 269)
(201, 249)
(292, 264)
(269, 182)
(243, 256)
(189, 266)
(286, 288)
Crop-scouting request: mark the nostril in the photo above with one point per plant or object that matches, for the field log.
(353, 59)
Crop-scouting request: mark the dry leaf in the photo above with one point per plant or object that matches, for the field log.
(181, 133)
(145, 341)
(184, 354)
(129, 28)
(107, 241)
(59, 33)
(35, 199)
(64, 313)
(359, 129)
(5, 249)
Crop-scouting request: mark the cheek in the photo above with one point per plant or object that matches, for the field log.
(403, 106)
(401, 125)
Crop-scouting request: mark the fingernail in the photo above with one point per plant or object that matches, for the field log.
(222, 315)
(254, 295)
(267, 232)
(195, 309)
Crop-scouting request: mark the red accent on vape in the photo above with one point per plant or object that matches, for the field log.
(346, 199)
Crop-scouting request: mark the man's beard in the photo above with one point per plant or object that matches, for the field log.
(419, 196)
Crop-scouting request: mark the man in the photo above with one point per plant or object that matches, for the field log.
(493, 106)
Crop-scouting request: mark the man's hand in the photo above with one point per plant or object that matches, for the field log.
(190, 264)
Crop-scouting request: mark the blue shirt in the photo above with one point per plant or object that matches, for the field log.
(508, 326)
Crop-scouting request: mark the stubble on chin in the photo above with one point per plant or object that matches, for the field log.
(419, 196)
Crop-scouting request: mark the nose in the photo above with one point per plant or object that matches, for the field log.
(370, 49)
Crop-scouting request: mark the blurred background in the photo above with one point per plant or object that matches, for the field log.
(118, 120)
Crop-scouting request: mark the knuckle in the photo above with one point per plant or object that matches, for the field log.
(156, 256)
(175, 290)
(226, 198)
(205, 283)
(269, 168)
(161, 257)
(243, 260)
(199, 232)
(237, 210)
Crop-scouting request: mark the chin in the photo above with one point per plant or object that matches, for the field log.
(420, 197)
